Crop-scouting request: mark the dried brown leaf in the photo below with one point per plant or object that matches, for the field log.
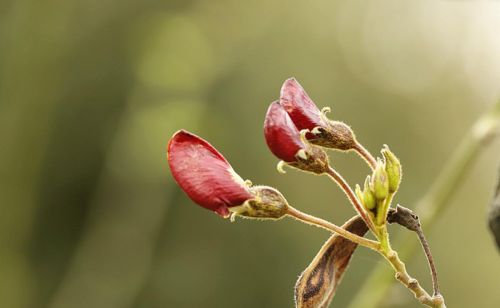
(317, 284)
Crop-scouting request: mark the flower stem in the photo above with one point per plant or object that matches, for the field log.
(433, 203)
(381, 216)
(402, 275)
(318, 222)
(366, 155)
(406, 218)
(342, 183)
(412, 284)
(383, 248)
(430, 260)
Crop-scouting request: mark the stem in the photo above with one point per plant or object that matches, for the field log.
(385, 250)
(433, 203)
(318, 222)
(352, 197)
(366, 155)
(406, 218)
(430, 260)
(411, 283)
(402, 275)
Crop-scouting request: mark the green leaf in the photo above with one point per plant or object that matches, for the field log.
(316, 286)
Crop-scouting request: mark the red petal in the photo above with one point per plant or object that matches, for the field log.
(304, 113)
(204, 174)
(282, 136)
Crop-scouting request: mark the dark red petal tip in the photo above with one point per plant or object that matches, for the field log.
(204, 174)
(304, 113)
(282, 136)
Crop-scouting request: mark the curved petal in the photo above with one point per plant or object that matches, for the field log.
(304, 113)
(204, 174)
(282, 136)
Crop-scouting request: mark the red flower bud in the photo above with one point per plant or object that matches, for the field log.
(204, 174)
(286, 142)
(282, 136)
(304, 113)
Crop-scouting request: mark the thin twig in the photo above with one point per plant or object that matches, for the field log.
(411, 283)
(430, 260)
(391, 256)
(318, 222)
(406, 218)
(366, 155)
(432, 204)
(342, 183)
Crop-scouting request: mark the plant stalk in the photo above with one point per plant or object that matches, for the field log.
(342, 183)
(318, 222)
(432, 204)
(366, 155)
(382, 247)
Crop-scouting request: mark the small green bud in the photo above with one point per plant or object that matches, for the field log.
(368, 197)
(393, 169)
(380, 182)
(359, 193)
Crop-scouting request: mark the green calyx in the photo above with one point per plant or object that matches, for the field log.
(366, 195)
(393, 169)
(268, 203)
(380, 182)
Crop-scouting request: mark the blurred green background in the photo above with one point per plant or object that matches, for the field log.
(91, 91)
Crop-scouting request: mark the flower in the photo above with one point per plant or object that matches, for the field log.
(288, 144)
(210, 181)
(282, 136)
(393, 168)
(380, 181)
(204, 174)
(306, 115)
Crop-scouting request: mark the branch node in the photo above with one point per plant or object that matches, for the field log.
(406, 218)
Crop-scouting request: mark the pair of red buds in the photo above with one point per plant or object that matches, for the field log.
(293, 127)
(295, 112)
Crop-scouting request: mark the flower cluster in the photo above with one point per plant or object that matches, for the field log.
(298, 133)
(294, 128)
(295, 131)
(380, 187)
(306, 115)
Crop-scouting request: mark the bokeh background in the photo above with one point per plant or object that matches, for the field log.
(91, 91)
